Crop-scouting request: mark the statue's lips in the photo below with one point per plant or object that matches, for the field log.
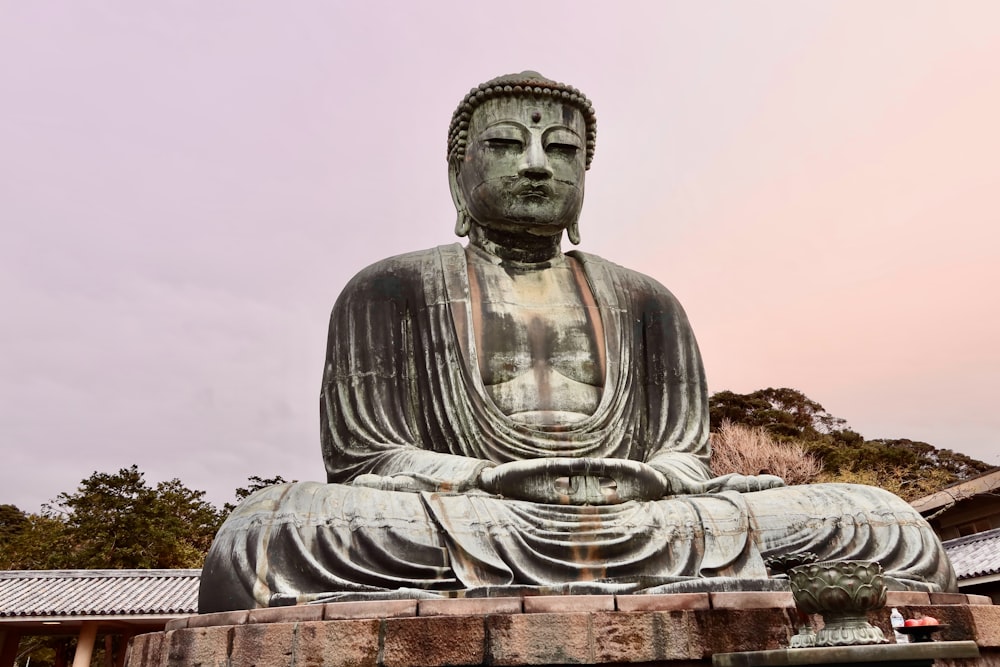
(534, 191)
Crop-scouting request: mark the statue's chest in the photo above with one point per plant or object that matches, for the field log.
(543, 323)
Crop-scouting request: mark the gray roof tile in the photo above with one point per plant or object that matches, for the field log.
(975, 555)
(98, 592)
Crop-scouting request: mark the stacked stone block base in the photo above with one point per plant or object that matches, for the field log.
(678, 630)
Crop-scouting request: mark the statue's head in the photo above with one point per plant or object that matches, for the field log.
(518, 149)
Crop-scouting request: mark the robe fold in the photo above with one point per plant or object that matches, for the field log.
(403, 399)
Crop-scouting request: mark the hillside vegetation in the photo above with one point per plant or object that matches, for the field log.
(819, 447)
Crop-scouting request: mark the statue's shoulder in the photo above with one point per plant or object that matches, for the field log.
(400, 275)
(639, 286)
(417, 260)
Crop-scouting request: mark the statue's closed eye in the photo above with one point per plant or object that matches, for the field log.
(504, 143)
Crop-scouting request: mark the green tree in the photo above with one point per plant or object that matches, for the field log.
(119, 521)
(40, 543)
(787, 414)
(961, 466)
(12, 522)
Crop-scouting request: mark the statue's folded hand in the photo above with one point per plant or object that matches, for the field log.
(575, 481)
(743, 483)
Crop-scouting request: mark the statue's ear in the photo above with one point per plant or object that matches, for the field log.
(573, 231)
(462, 222)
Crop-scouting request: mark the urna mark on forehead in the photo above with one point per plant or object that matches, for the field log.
(539, 113)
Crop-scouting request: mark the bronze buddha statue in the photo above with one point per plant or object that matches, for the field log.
(505, 414)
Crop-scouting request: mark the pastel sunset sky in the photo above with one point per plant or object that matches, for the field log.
(185, 188)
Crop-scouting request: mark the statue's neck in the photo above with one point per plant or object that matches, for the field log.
(516, 248)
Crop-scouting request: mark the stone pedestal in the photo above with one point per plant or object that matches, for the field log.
(682, 630)
(875, 655)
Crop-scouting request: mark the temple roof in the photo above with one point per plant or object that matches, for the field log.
(975, 556)
(97, 593)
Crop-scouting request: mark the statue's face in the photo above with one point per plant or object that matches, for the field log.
(524, 165)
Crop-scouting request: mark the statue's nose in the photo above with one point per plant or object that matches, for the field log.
(536, 163)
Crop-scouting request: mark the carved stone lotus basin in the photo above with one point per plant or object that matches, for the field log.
(842, 592)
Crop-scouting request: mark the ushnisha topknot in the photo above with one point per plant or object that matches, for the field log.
(526, 83)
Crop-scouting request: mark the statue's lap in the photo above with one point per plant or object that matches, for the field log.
(357, 539)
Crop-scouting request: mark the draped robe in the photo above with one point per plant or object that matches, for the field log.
(403, 399)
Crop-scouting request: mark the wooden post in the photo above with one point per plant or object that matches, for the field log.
(62, 648)
(85, 644)
(109, 645)
(10, 639)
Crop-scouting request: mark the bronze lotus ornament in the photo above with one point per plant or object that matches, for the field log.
(842, 592)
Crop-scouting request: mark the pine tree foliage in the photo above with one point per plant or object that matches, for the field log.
(119, 521)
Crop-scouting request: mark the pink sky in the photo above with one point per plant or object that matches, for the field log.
(185, 188)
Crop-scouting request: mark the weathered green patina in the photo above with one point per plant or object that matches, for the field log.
(505, 414)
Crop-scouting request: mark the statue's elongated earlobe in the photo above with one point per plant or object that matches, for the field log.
(573, 232)
(463, 223)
